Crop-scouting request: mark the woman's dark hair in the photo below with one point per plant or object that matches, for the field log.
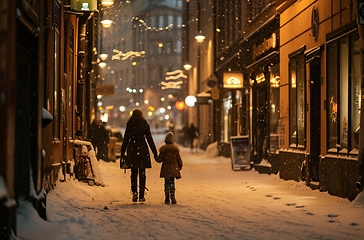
(137, 113)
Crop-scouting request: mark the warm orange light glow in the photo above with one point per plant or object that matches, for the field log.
(180, 105)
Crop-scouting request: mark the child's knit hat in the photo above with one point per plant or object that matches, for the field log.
(84, 150)
(169, 138)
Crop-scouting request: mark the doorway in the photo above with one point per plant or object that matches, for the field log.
(315, 119)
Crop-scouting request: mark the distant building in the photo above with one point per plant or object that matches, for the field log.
(143, 45)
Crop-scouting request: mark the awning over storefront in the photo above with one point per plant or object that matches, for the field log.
(272, 57)
(206, 93)
(313, 53)
(204, 97)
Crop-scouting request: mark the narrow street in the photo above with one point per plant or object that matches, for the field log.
(214, 202)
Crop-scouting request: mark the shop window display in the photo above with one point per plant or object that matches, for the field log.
(343, 84)
(274, 107)
(297, 102)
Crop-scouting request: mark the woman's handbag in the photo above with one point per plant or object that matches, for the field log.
(123, 163)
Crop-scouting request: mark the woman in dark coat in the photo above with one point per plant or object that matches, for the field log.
(172, 164)
(137, 132)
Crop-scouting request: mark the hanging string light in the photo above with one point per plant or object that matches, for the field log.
(173, 75)
(173, 85)
(147, 27)
(123, 56)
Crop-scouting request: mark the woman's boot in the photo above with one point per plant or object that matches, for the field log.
(142, 181)
(134, 186)
(173, 199)
(141, 194)
(166, 200)
(135, 197)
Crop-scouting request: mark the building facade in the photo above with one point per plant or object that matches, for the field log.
(299, 106)
(159, 75)
(45, 84)
(144, 49)
(320, 93)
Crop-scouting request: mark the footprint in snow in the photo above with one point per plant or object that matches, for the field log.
(268, 195)
(290, 204)
(276, 198)
(332, 216)
(300, 206)
(354, 224)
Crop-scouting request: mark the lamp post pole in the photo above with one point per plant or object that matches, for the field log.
(198, 61)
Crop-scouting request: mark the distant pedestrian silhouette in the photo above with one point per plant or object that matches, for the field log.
(193, 135)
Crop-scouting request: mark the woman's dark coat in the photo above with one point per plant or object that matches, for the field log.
(137, 132)
(171, 161)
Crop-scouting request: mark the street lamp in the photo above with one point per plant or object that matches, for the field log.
(200, 38)
(106, 23)
(103, 56)
(190, 101)
(107, 3)
(187, 66)
(102, 65)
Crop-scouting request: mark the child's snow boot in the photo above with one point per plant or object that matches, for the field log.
(166, 200)
(173, 199)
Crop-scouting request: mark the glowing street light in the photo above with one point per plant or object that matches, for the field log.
(190, 101)
(103, 56)
(200, 38)
(122, 108)
(106, 23)
(187, 66)
(102, 65)
(107, 3)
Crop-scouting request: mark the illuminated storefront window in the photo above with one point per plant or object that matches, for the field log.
(297, 101)
(274, 107)
(343, 93)
(226, 118)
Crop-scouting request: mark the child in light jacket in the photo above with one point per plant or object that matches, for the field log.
(169, 156)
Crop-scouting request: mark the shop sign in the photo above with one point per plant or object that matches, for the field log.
(84, 5)
(233, 80)
(240, 152)
(105, 90)
(361, 13)
(314, 23)
(266, 45)
(215, 93)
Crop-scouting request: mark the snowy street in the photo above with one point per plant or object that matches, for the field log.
(213, 202)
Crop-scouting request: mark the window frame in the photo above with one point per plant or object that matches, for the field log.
(297, 57)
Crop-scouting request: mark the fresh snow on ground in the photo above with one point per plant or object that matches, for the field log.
(214, 202)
